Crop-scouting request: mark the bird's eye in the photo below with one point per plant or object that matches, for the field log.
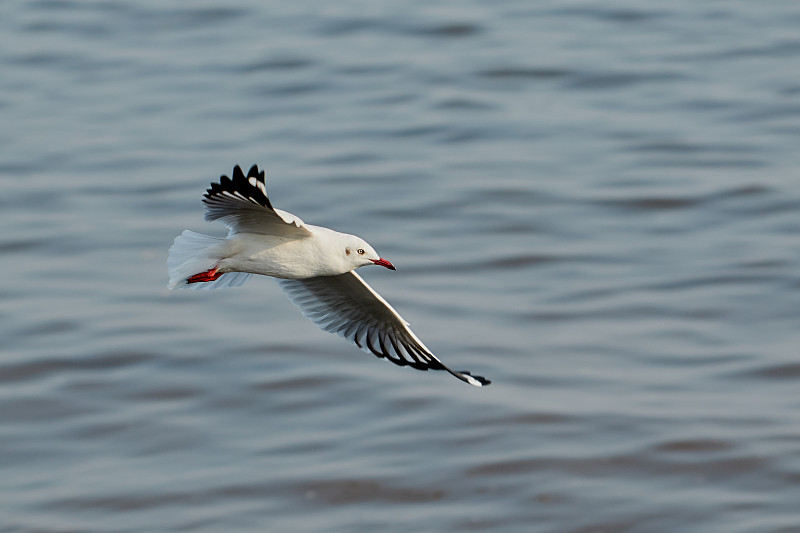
(360, 251)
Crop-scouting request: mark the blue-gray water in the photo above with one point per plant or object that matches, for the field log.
(594, 204)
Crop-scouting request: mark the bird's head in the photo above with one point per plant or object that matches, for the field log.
(358, 253)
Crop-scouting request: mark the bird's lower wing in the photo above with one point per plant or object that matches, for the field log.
(346, 305)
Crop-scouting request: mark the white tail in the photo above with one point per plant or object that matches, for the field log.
(193, 253)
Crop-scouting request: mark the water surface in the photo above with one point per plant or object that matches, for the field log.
(595, 206)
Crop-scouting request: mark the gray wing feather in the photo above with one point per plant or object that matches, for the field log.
(347, 306)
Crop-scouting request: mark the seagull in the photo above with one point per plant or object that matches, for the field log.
(315, 266)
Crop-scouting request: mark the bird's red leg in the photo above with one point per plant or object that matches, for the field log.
(208, 275)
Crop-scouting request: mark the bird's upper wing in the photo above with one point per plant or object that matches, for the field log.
(241, 202)
(346, 305)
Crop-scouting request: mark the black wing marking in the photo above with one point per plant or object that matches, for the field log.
(251, 188)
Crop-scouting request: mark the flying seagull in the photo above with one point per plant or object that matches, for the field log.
(315, 266)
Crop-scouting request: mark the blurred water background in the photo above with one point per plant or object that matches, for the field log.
(594, 204)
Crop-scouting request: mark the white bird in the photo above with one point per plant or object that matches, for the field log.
(315, 266)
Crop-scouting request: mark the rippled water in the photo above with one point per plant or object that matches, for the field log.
(594, 205)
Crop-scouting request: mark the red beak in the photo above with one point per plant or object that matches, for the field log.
(384, 263)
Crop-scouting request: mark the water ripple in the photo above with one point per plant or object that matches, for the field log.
(593, 205)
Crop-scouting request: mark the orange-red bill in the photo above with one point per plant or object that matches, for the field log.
(384, 263)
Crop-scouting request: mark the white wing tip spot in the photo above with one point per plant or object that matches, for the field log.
(473, 381)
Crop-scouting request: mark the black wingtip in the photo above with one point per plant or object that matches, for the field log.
(237, 173)
(482, 380)
(251, 187)
(477, 381)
